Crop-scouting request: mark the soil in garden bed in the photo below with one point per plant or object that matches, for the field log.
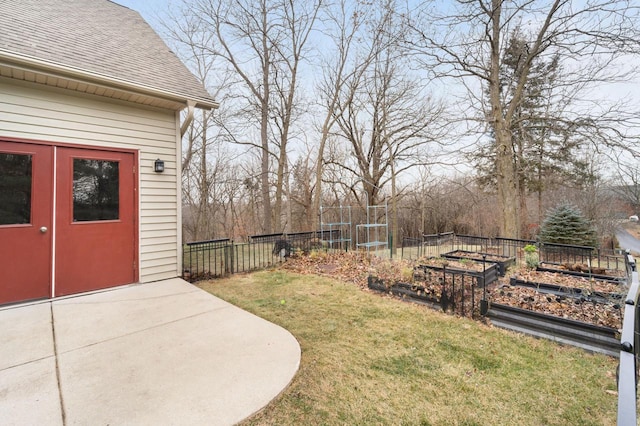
(571, 292)
(579, 269)
(603, 314)
(572, 281)
(356, 267)
(462, 265)
(478, 256)
(451, 293)
(503, 262)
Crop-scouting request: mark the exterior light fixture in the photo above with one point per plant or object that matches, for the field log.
(158, 166)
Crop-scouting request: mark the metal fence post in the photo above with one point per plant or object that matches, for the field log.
(233, 246)
(484, 304)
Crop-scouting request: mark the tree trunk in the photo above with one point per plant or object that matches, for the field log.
(506, 182)
(523, 213)
(317, 197)
(394, 211)
(264, 130)
(280, 176)
(264, 175)
(506, 179)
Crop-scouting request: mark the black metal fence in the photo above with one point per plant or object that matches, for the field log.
(434, 245)
(454, 291)
(511, 247)
(217, 258)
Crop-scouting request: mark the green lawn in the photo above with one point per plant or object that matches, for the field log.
(368, 359)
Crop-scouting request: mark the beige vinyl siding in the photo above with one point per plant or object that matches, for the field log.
(37, 112)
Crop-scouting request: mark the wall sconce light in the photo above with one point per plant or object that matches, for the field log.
(158, 166)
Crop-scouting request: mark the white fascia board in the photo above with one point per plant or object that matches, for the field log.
(28, 63)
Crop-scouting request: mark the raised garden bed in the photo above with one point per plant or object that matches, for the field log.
(595, 338)
(581, 270)
(483, 274)
(593, 294)
(451, 292)
(607, 285)
(453, 285)
(503, 262)
(606, 314)
(405, 290)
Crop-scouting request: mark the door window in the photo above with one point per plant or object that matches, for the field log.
(15, 188)
(95, 190)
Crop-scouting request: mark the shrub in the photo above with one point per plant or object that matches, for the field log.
(531, 257)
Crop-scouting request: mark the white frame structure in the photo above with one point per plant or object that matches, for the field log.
(334, 219)
(376, 230)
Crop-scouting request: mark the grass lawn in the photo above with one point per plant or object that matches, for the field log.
(368, 359)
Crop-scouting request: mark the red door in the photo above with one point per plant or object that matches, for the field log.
(25, 221)
(95, 241)
(67, 220)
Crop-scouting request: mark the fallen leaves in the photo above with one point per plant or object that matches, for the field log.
(603, 314)
(477, 256)
(352, 267)
(355, 267)
(570, 281)
(463, 264)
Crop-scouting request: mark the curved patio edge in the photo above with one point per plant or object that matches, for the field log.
(167, 353)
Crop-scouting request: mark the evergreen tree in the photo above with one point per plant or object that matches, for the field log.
(566, 225)
(544, 141)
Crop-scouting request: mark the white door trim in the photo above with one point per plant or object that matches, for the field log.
(53, 223)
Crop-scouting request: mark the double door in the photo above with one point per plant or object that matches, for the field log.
(67, 220)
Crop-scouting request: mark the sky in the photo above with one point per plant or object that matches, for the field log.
(151, 10)
(154, 11)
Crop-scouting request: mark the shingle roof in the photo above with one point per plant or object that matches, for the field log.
(98, 37)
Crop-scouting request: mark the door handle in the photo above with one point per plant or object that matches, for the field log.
(43, 229)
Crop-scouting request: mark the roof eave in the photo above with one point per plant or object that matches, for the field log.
(62, 71)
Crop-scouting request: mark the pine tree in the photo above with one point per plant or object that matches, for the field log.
(566, 225)
(544, 140)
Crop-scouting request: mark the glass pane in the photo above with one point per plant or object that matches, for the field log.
(15, 189)
(95, 190)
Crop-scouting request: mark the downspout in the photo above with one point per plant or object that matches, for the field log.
(188, 119)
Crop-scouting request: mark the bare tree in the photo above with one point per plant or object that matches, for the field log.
(263, 44)
(343, 23)
(301, 196)
(383, 112)
(627, 183)
(465, 42)
(199, 170)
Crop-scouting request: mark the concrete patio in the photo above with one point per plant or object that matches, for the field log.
(159, 353)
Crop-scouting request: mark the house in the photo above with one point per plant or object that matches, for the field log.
(90, 136)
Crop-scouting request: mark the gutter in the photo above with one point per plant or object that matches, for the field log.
(188, 119)
(52, 69)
